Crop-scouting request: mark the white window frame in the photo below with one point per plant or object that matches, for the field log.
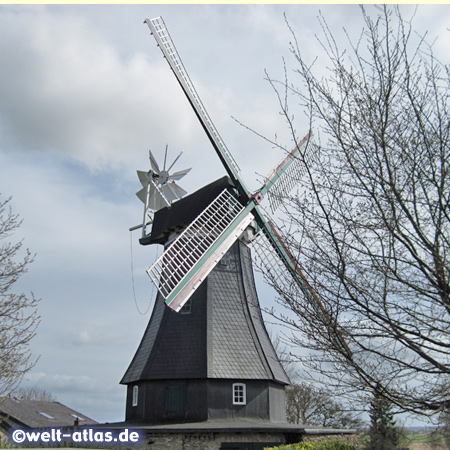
(239, 394)
(134, 400)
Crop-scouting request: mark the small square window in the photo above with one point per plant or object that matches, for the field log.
(226, 259)
(187, 307)
(239, 394)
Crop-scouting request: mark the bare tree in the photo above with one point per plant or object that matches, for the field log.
(309, 405)
(34, 393)
(18, 311)
(370, 223)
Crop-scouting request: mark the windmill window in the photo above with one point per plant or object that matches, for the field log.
(226, 259)
(239, 394)
(187, 307)
(134, 401)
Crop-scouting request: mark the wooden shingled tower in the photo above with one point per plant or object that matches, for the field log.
(206, 353)
(212, 359)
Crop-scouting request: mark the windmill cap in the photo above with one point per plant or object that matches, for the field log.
(180, 214)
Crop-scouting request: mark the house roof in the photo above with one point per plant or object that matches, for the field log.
(39, 414)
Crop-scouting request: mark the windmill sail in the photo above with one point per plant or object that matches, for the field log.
(191, 257)
(276, 258)
(162, 36)
(286, 175)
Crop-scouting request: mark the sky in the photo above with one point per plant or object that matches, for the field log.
(85, 93)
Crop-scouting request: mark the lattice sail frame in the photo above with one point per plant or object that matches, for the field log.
(288, 172)
(161, 34)
(265, 256)
(191, 257)
(270, 256)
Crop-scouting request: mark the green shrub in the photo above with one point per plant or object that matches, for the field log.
(326, 445)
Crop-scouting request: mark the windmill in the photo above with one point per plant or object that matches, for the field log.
(207, 263)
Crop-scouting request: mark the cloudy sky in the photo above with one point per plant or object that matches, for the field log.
(84, 94)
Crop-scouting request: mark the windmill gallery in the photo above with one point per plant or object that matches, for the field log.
(205, 375)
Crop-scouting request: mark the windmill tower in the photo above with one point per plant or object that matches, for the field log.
(213, 358)
(205, 353)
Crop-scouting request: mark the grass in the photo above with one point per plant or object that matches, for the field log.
(407, 438)
(422, 438)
